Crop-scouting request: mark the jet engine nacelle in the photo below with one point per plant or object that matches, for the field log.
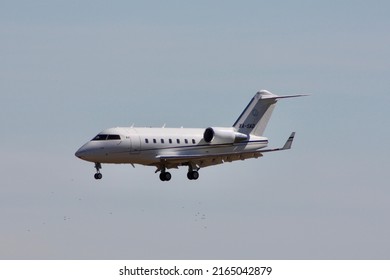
(222, 135)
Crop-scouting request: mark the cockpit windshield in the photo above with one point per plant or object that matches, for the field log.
(102, 137)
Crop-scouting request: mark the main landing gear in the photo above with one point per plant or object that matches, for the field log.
(165, 176)
(98, 175)
(192, 174)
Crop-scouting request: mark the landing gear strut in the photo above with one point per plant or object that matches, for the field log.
(98, 175)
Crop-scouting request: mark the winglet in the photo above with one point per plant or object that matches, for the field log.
(286, 146)
(289, 141)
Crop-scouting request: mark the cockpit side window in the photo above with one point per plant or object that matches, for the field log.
(100, 137)
(114, 137)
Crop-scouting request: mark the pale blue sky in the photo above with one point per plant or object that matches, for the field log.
(69, 69)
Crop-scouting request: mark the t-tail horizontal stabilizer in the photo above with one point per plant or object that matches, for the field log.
(254, 119)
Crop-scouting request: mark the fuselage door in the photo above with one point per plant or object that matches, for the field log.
(135, 143)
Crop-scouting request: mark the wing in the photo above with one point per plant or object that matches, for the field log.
(200, 161)
(204, 160)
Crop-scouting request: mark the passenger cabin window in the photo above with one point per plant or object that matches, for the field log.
(178, 141)
(170, 141)
(186, 141)
(146, 141)
(162, 141)
(193, 141)
(154, 141)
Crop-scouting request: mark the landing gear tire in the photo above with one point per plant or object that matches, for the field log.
(98, 175)
(193, 175)
(165, 176)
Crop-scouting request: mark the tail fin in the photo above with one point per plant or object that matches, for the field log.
(255, 117)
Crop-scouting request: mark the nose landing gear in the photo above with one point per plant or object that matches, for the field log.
(98, 175)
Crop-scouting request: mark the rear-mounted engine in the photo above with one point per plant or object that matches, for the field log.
(223, 135)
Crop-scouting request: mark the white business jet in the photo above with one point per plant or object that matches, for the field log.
(167, 148)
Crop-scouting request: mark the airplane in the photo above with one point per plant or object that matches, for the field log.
(196, 148)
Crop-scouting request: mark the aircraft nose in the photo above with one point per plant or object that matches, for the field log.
(79, 153)
(82, 152)
(88, 152)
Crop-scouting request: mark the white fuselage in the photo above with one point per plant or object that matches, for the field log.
(168, 148)
(146, 145)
